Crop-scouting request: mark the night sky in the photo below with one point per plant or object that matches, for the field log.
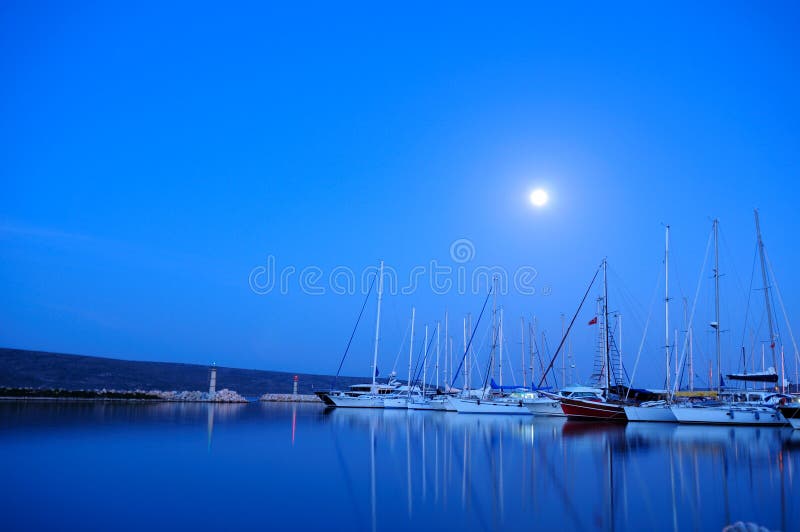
(156, 160)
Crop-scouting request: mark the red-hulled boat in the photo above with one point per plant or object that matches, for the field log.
(593, 410)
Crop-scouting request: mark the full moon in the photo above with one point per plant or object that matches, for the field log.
(539, 197)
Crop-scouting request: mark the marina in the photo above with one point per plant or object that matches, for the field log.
(400, 267)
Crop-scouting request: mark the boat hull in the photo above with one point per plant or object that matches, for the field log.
(656, 414)
(429, 404)
(475, 406)
(359, 401)
(545, 407)
(593, 410)
(726, 415)
(395, 402)
(792, 415)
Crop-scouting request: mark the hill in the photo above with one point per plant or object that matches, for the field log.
(39, 369)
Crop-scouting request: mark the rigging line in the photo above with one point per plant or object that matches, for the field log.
(621, 289)
(350, 341)
(402, 345)
(749, 293)
(727, 250)
(571, 323)
(424, 358)
(691, 314)
(489, 365)
(546, 348)
(472, 335)
(537, 353)
(419, 360)
(783, 308)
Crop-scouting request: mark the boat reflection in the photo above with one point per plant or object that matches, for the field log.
(577, 475)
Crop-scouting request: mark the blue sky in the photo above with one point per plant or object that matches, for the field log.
(153, 156)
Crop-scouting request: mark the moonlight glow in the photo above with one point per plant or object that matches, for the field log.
(539, 197)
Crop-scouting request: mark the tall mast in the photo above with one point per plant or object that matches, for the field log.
(676, 357)
(619, 344)
(425, 363)
(411, 349)
(666, 305)
(534, 350)
(471, 351)
(716, 303)
(377, 328)
(500, 360)
(446, 350)
(605, 326)
(450, 344)
(530, 352)
(563, 358)
(764, 278)
(492, 361)
(466, 355)
(688, 332)
(522, 358)
(437, 356)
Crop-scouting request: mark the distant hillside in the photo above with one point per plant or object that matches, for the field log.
(37, 369)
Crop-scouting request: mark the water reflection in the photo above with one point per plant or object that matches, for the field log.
(277, 466)
(583, 475)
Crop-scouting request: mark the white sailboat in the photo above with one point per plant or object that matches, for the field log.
(731, 410)
(425, 401)
(658, 411)
(489, 402)
(401, 397)
(365, 395)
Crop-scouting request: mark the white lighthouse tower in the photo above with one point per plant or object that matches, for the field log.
(212, 385)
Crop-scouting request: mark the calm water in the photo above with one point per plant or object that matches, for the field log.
(95, 466)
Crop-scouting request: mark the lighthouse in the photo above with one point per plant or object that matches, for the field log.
(212, 385)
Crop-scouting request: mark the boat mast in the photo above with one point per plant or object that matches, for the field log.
(606, 342)
(466, 355)
(563, 357)
(676, 357)
(688, 341)
(492, 361)
(571, 359)
(666, 305)
(425, 363)
(437, 356)
(533, 347)
(522, 358)
(377, 328)
(500, 359)
(411, 349)
(530, 352)
(619, 345)
(716, 303)
(446, 351)
(764, 278)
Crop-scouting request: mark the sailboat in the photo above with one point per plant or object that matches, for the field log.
(491, 399)
(658, 411)
(368, 395)
(731, 409)
(598, 409)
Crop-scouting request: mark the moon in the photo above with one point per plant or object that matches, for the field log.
(539, 197)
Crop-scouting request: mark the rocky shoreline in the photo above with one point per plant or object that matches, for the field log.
(221, 396)
(289, 398)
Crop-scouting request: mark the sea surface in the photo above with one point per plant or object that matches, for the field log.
(124, 466)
